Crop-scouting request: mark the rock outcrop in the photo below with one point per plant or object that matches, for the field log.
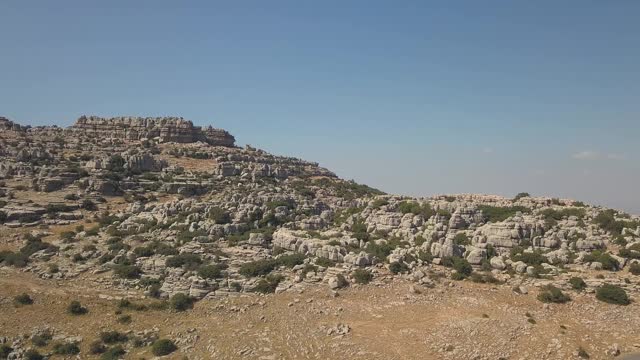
(167, 129)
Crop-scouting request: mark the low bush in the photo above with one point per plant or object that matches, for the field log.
(97, 347)
(410, 207)
(577, 283)
(497, 214)
(362, 276)
(23, 299)
(210, 271)
(113, 337)
(530, 258)
(5, 350)
(551, 294)
(127, 271)
(188, 261)
(181, 302)
(33, 355)
(461, 239)
(258, 268)
(144, 251)
(635, 268)
(268, 284)
(291, 260)
(381, 251)
(324, 262)
(124, 319)
(41, 339)
(66, 349)
(612, 294)
(607, 261)
(481, 278)
(462, 266)
(398, 267)
(219, 215)
(113, 353)
(75, 308)
(163, 347)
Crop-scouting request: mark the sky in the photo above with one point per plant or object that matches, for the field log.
(412, 97)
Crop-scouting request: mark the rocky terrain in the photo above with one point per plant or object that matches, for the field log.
(141, 237)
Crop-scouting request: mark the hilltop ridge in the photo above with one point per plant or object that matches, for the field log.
(162, 212)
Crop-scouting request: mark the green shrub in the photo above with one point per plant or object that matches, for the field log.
(461, 239)
(359, 229)
(66, 349)
(113, 353)
(163, 347)
(521, 195)
(411, 207)
(41, 339)
(635, 268)
(457, 276)
(33, 355)
(268, 284)
(210, 271)
(124, 319)
(5, 350)
(362, 276)
(324, 262)
(551, 294)
(612, 294)
(143, 251)
(112, 337)
(23, 299)
(607, 221)
(480, 278)
(577, 283)
(607, 261)
(127, 271)
(377, 203)
(582, 353)
(462, 266)
(258, 268)
(181, 302)
(530, 258)
(381, 250)
(219, 215)
(497, 214)
(291, 260)
(97, 347)
(398, 267)
(164, 249)
(188, 261)
(75, 308)
(10, 258)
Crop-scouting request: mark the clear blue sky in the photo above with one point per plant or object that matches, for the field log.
(413, 97)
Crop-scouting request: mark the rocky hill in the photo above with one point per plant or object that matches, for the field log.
(167, 209)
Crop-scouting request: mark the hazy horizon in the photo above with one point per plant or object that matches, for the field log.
(419, 99)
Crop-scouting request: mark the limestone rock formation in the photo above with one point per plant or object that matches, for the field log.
(167, 129)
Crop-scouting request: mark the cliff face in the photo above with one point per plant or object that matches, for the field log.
(168, 129)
